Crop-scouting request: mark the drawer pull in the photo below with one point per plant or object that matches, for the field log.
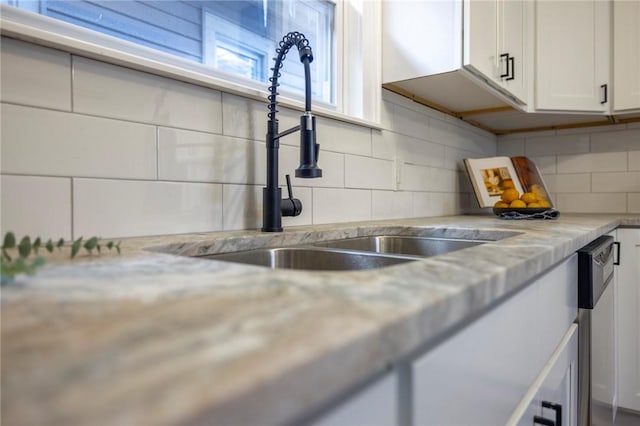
(555, 407)
(542, 421)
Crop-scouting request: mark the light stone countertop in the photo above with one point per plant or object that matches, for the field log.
(149, 337)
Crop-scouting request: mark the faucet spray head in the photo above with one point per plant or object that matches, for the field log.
(309, 149)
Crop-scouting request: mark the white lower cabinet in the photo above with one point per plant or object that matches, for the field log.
(481, 374)
(553, 394)
(373, 405)
(496, 370)
(628, 318)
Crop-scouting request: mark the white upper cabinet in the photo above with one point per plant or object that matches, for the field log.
(516, 41)
(573, 55)
(496, 43)
(460, 54)
(626, 56)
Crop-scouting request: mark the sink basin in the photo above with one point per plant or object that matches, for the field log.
(308, 258)
(405, 245)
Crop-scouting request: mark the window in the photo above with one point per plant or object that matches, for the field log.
(224, 43)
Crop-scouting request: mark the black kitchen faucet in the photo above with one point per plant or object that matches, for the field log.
(273, 205)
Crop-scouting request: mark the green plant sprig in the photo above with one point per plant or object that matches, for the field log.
(21, 265)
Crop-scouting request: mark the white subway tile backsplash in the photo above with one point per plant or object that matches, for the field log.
(242, 207)
(445, 203)
(431, 204)
(590, 130)
(204, 157)
(384, 144)
(554, 145)
(36, 206)
(510, 146)
(603, 162)
(342, 137)
(546, 165)
(391, 204)
(550, 181)
(409, 122)
(117, 92)
(616, 182)
(341, 205)
(120, 208)
(446, 133)
(443, 180)
(454, 158)
(184, 158)
(45, 142)
(634, 160)
(421, 202)
(35, 75)
(420, 152)
(244, 118)
(413, 178)
(625, 140)
(571, 182)
(634, 203)
(592, 203)
(366, 172)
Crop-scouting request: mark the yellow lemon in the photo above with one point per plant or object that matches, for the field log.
(509, 195)
(507, 183)
(534, 205)
(501, 205)
(529, 197)
(544, 203)
(517, 204)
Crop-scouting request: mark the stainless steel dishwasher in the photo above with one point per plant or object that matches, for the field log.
(596, 333)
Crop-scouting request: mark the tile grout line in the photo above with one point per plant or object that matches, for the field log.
(72, 210)
(157, 153)
(72, 105)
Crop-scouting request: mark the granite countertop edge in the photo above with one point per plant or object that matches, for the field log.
(236, 344)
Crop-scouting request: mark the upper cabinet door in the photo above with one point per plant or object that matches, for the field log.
(514, 46)
(573, 55)
(626, 55)
(481, 38)
(496, 36)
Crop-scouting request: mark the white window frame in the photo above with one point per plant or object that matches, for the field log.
(358, 58)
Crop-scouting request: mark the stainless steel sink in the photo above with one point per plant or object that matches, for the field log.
(308, 258)
(405, 245)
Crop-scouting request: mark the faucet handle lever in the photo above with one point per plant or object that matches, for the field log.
(289, 190)
(290, 206)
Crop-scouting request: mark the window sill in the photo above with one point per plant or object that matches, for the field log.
(41, 30)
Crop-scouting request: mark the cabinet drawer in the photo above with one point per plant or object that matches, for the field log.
(480, 374)
(373, 405)
(558, 301)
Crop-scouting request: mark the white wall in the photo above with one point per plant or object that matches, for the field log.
(591, 170)
(90, 148)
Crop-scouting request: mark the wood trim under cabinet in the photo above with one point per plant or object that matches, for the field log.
(463, 115)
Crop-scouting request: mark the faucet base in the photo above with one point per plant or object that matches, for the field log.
(271, 209)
